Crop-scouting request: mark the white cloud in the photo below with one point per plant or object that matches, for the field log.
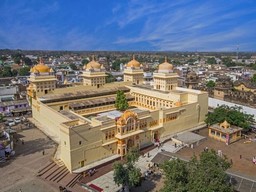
(189, 27)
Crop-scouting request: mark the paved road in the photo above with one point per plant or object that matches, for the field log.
(20, 172)
(241, 183)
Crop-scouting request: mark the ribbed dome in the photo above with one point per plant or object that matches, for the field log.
(40, 67)
(93, 64)
(133, 63)
(225, 124)
(165, 65)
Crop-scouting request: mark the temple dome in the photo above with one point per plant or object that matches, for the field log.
(133, 63)
(165, 65)
(225, 125)
(93, 64)
(40, 67)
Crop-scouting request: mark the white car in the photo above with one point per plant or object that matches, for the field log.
(17, 120)
(10, 122)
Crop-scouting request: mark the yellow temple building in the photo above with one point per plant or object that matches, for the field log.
(89, 129)
(225, 132)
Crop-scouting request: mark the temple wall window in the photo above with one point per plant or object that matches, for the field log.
(109, 134)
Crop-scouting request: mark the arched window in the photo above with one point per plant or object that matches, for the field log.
(131, 124)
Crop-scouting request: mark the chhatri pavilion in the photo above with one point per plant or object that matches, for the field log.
(225, 132)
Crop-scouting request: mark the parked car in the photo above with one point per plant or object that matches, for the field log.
(10, 122)
(17, 120)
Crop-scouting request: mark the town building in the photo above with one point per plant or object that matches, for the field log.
(89, 129)
(14, 107)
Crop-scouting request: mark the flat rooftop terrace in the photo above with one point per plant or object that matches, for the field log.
(81, 94)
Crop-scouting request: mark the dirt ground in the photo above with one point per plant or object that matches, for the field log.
(20, 171)
(242, 166)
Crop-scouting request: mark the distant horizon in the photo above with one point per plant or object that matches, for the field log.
(132, 51)
(129, 25)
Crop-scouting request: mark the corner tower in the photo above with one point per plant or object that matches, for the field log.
(165, 79)
(94, 74)
(133, 72)
(41, 81)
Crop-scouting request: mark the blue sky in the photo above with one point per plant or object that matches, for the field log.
(143, 25)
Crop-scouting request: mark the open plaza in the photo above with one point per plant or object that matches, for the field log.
(24, 168)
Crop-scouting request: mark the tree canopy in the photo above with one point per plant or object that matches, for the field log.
(121, 101)
(110, 78)
(127, 174)
(27, 61)
(24, 71)
(211, 60)
(228, 62)
(205, 174)
(73, 66)
(7, 72)
(85, 61)
(253, 78)
(210, 84)
(233, 115)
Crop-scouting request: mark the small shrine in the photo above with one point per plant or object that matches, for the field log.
(225, 132)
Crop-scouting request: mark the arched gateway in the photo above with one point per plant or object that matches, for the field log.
(128, 131)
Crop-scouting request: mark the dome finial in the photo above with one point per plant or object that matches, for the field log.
(165, 59)
(92, 57)
(133, 57)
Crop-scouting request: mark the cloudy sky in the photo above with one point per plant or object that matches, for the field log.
(143, 25)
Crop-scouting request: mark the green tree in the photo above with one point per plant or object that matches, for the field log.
(14, 72)
(3, 58)
(176, 62)
(1, 117)
(24, 71)
(228, 62)
(17, 57)
(211, 60)
(208, 173)
(176, 173)
(27, 61)
(191, 61)
(73, 66)
(210, 84)
(110, 78)
(116, 65)
(6, 72)
(121, 101)
(233, 115)
(253, 78)
(253, 66)
(85, 61)
(127, 174)
(205, 174)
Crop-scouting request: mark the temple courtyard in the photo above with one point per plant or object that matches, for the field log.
(239, 153)
(22, 170)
